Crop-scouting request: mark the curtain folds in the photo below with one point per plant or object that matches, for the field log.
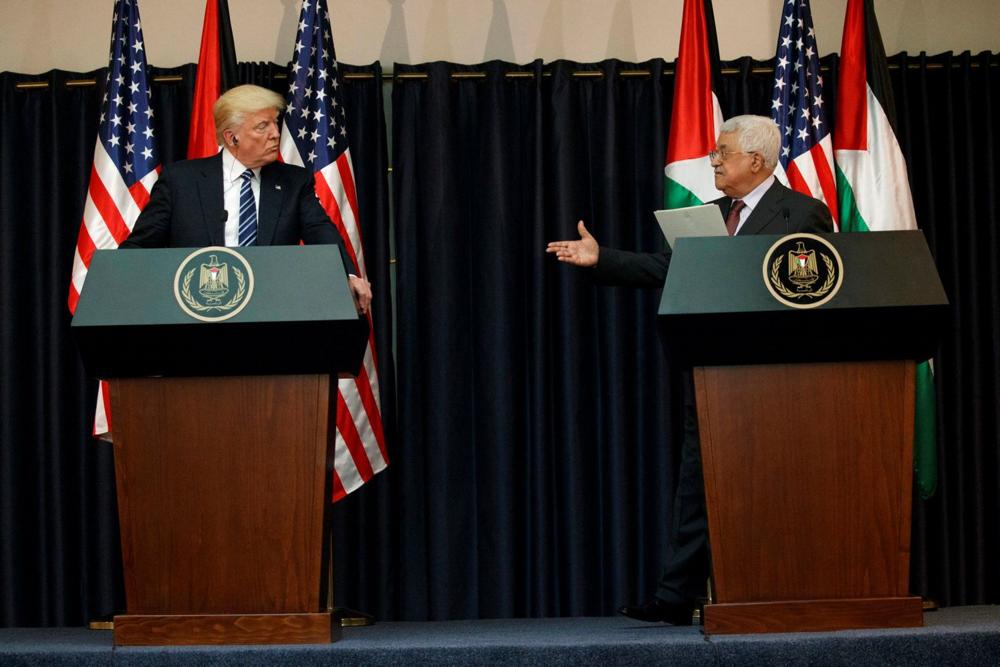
(947, 105)
(60, 560)
(534, 446)
(602, 380)
(533, 470)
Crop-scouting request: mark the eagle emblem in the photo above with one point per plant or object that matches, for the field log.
(213, 281)
(210, 289)
(803, 270)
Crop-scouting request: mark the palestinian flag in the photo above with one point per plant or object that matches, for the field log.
(696, 115)
(873, 189)
(216, 75)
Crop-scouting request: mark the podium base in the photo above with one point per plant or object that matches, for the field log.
(194, 629)
(812, 615)
(352, 618)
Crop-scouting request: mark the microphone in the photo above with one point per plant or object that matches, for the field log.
(785, 213)
(225, 215)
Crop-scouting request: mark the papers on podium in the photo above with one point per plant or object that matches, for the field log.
(704, 220)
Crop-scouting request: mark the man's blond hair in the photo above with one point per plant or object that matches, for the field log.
(232, 107)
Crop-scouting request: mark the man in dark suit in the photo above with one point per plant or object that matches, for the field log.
(243, 195)
(755, 202)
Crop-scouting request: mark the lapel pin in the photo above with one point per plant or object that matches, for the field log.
(277, 187)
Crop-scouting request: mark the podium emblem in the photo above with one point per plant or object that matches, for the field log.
(803, 270)
(213, 284)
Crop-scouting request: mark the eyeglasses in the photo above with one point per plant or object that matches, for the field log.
(724, 154)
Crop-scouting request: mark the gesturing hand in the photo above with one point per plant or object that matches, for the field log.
(578, 253)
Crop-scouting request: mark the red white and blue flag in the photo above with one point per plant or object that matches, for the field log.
(806, 159)
(314, 135)
(126, 163)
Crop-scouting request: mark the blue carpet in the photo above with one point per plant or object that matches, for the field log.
(957, 636)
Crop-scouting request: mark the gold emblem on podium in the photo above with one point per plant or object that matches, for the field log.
(803, 270)
(223, 287)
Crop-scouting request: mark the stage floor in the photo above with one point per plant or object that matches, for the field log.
(955, 636)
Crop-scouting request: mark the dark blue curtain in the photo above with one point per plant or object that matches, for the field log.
(534, 455)
(539, 417)
(535, 408)
(60, 560)
(948, 105)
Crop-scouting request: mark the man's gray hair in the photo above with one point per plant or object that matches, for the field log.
(233, 106)
(756, 134)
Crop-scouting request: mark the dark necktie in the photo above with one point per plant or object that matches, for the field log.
(248, 212)
(733, 219)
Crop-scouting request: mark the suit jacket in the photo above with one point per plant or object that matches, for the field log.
(649, 269)
(185, 209)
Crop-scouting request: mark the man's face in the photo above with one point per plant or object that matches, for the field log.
(257, 139)
(736, 172)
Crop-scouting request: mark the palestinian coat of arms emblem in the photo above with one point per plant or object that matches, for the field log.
(803, 270)
(213, 284)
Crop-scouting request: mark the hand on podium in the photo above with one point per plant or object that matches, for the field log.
(361, 289)
(578, 253)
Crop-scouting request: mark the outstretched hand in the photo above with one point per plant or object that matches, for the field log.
(578, 253)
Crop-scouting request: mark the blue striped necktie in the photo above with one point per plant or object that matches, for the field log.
(248, 212)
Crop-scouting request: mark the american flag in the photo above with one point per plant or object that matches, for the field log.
(314, 135)
(806, 158)
(125, 161)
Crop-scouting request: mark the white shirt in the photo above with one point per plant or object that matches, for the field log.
(751, 200)
(232, 181)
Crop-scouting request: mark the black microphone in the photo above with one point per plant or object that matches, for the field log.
(225, 215)
(785, 213)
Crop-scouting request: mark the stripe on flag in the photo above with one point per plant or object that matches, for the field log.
(806, 158)
(696, 114)
(125, 163)
(314, 136)
(874, 189)
(216, 74)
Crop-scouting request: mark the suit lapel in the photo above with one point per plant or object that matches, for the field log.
(766, 210)
(211, 199)
(272, 196)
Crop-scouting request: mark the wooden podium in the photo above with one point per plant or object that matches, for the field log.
(222, 435)
(806, 421)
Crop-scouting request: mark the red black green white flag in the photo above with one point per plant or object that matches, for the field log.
(696, 115)
(216, 75)
(873, 189)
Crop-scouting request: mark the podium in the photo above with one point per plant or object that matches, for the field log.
(222, 366)
(803, 351)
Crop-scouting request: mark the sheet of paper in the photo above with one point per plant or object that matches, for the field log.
(704, 220)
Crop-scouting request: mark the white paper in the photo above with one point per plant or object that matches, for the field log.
(704, 220)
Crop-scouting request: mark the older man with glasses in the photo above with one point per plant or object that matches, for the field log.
(755, 202)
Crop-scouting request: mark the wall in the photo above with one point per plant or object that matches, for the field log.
(39, 35)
